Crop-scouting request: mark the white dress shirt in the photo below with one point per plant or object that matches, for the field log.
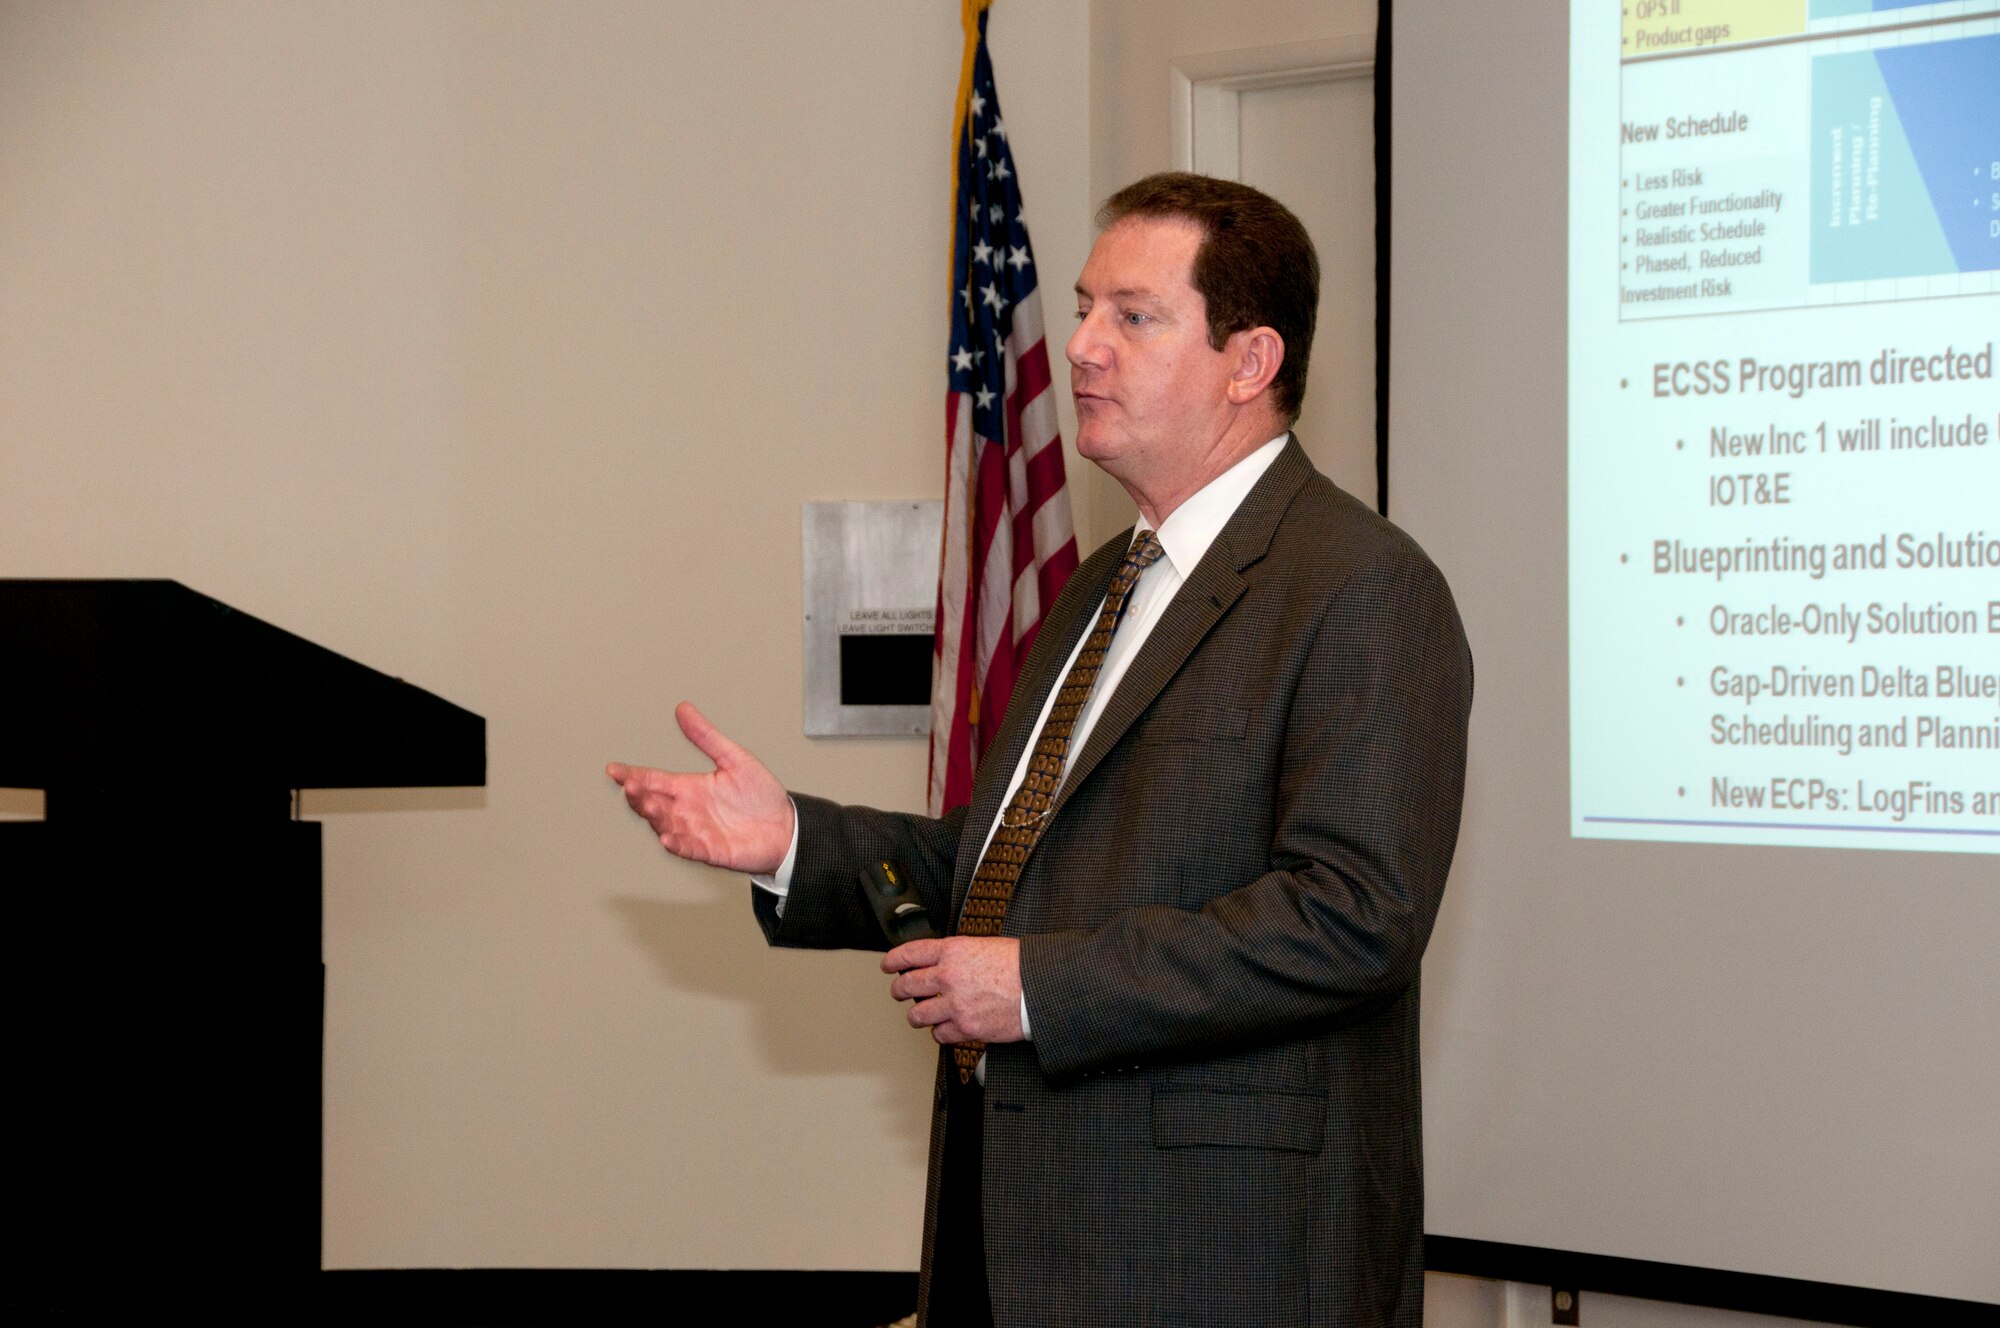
(1185, 536)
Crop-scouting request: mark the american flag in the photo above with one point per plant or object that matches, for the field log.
(1008, 541)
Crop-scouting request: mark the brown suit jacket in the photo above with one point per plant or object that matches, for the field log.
(1218, 1119)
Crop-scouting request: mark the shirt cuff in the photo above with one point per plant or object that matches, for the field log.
(779, 882)
(1027, 1035)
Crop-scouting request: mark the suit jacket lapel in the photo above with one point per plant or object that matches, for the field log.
(1200, 603)
(1202, 600)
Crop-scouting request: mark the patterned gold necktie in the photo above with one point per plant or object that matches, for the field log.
(1027, 812)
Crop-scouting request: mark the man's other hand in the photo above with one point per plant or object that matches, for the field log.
(737, 816)
(965, 988)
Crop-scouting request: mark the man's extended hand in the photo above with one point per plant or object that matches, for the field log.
(966, 988)
(737, 816)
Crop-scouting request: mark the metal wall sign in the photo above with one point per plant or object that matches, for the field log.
(870, 599)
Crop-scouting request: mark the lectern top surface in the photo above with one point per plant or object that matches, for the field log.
(105, 681)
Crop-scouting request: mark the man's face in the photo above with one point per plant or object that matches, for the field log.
(1149, 388)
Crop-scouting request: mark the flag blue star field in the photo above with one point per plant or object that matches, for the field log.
(1008, 540)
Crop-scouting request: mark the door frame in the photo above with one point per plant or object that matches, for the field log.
(1208, 88)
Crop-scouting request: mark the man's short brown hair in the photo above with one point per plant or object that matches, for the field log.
(1255, 267)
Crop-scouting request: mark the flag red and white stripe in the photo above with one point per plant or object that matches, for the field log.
(1009, 544)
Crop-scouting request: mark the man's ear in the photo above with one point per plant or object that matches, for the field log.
(1258, 352)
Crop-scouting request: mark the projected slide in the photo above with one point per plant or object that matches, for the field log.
(1784, 430)
(1849, 165)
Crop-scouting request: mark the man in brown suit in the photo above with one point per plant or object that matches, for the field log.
(1199, 1017)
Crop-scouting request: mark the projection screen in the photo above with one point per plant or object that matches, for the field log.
(1693, 311)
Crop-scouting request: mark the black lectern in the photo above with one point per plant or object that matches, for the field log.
(159, 994)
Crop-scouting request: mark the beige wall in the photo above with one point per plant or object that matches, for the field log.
(497, 347)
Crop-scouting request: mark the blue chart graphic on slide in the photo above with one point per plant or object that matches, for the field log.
(1904, 141)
